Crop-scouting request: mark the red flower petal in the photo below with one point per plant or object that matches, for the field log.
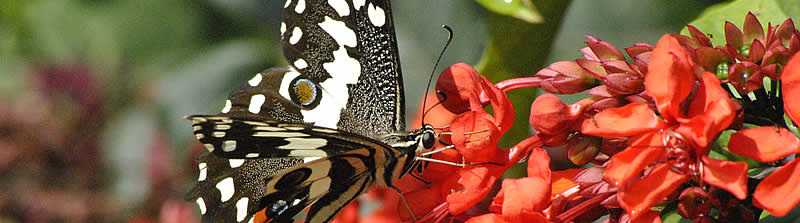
(731, 176)
(603, 50)
(733, 35)
(717, 108)
(565, 77)
(752, 28)
(475, 135)
(779, 193)
(487, 218)
(670, 77)
(501, 105)
(631, 161)
(562, 181)
(474, 183)
(790, 89)
(764, 144)
(550, 115)
(523, 196)
(458, 82)
(648, 217)
(640, 196)
(541, 167)
(632, 119)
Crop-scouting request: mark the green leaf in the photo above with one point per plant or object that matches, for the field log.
(520, 9)
(672, 216)
(712, 20)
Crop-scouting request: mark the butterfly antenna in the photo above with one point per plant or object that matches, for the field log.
(430, 78)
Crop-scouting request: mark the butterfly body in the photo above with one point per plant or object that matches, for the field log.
(318, 133)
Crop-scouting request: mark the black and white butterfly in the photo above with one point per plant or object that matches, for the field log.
(314, 134)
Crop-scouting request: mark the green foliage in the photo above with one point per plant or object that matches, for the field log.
(520, 9)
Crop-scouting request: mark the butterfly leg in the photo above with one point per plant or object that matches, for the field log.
(404, 201)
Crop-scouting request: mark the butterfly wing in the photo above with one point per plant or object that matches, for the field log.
(226, 187)
(234, 138)
(358, 89)
(349, 48)
(327, 185)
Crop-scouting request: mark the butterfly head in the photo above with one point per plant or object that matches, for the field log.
(423, 138)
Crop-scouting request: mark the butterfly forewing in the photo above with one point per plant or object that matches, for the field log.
(349, 48)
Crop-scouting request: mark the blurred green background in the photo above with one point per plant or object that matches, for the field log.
(93, 92)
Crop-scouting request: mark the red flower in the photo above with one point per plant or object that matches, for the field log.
(778, 193)
(524, 199)
(673, 149)
(474, 133)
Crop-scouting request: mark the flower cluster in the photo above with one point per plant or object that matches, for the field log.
(679, 125)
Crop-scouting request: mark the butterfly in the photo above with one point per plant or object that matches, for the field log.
(318, 133)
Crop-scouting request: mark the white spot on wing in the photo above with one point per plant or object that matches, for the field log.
(199, 136)
(219, 134)
(288, 2)
(331, 131)
(339, 31)
(310, 158)
(294, 128)
(296, 35)
(283, 28)
(251, 155)
(202, 205)
(376, 15)
(315, 153)
(227, 107)
(203, 171)
(241, 209)
(300, 64)
(280, 134)
(226, 189)
(222, 127)
(235, 162)
(229, 145)
(286, 82)
(256, 101)
(340, 6)
(255, 80)
(358, 4)
(304, 143)
(267, 128)
(327, 113)
(301, 6)
(343, 68)
(209, 147)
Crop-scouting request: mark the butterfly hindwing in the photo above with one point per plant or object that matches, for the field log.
(228, 190)
(327, 184)
(236, 138)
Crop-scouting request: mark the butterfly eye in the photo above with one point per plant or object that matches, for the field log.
(428, 139)
(305, 93)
